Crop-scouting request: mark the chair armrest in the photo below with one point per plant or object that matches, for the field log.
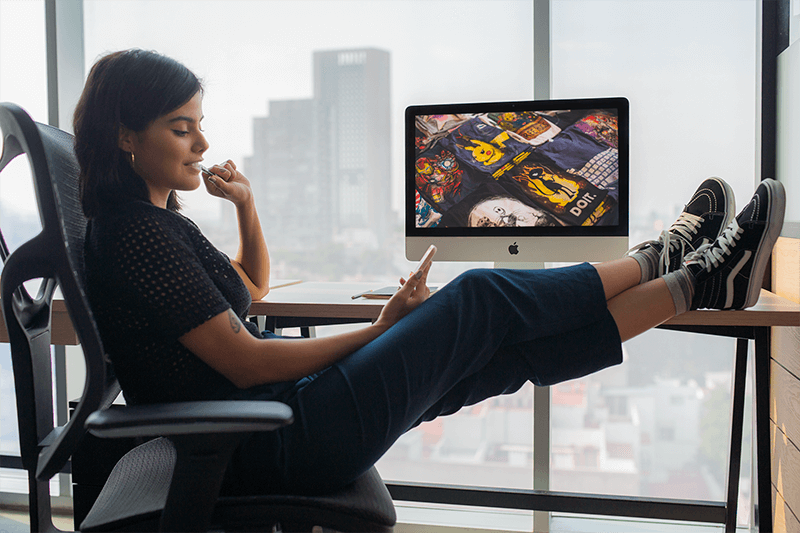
(189, 418)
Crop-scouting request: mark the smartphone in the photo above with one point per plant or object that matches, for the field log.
(425, 261)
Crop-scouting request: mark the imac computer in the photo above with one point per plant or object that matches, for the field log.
(509, 182)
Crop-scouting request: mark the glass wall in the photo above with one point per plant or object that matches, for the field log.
(23, 81)
(271, 69)
(658, 425)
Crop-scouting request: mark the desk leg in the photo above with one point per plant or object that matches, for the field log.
(737, 426)
(762, 493)
(62, 408)
(267, 323)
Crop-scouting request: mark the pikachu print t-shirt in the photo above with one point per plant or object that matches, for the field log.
(484, 147)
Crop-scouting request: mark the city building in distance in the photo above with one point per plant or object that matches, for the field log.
(321, 167)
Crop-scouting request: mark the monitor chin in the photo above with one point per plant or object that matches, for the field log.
(510, 250)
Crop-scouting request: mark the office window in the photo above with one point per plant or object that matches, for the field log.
(689, 69)
(23, 81)
(349, 69)
(308, 97)
(23, 76)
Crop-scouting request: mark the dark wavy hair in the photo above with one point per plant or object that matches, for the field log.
(131, 88)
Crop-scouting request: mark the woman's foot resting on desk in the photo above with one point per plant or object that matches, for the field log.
(723, 274)
(702, 220)
(728, 272)
(710, 259)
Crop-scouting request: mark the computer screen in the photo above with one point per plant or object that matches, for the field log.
(543, 181)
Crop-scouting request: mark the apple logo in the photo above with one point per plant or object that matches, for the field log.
(513, 249)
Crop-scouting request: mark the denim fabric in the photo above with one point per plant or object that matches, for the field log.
(486, 333)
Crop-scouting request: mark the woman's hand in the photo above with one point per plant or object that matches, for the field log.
(412, 292)
(252, 259)
(228, 183)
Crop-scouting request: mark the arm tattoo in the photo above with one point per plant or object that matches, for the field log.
(236, 325)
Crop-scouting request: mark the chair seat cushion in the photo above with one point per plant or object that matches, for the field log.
(363, 505)
(136, 492)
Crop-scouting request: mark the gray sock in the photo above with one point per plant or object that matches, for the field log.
(648, 262)
(681, 286)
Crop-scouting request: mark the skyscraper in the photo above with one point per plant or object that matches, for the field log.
(321, 168)
(284, 178)
(351, 91)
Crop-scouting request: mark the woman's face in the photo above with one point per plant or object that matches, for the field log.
(166, 154)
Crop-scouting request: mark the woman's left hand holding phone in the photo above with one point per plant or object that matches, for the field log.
(412, 292)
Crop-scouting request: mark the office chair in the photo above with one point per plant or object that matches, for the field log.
(172, 481)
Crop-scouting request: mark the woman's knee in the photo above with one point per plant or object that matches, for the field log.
(475, 276)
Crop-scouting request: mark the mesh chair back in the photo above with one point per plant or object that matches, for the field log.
(55, 256)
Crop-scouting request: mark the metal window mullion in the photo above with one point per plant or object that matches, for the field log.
(541, 452)
(65, 74)
(65, 59)
(541, 395)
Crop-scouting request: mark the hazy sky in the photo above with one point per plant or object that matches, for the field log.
(688, 67)
(250, 52)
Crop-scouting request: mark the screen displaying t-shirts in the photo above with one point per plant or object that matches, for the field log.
(530, 165)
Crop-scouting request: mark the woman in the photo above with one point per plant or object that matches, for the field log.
(171, 308)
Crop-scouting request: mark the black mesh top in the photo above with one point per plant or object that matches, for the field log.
(151, 277)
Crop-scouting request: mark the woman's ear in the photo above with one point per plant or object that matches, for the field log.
(127, 138)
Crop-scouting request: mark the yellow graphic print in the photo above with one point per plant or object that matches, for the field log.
(556, 189)
(488, 153)
(531, 129)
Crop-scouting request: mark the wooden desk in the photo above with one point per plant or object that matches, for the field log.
(315, 303)
(315, 299)
(334, 300)
(770, 310)
(61, 333)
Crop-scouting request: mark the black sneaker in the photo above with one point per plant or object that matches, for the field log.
(709, 211)
(729, 271)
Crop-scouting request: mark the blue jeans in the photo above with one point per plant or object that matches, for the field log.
(484, 334)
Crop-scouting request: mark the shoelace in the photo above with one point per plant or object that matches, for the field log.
(679, 234)
(713, 254)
